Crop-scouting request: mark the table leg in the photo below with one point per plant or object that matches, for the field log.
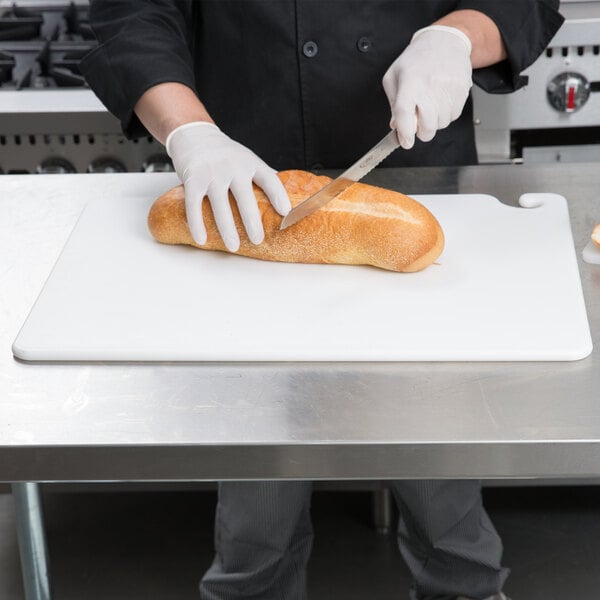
(383, 508)
(32, 540)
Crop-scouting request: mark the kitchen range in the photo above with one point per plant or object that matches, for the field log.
(51, 121)
(556, 117)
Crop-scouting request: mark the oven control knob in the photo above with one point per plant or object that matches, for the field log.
(568, 92)
(55, 165)
(106, 164)
(158, 163)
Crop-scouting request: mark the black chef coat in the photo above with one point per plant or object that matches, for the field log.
(297, 81)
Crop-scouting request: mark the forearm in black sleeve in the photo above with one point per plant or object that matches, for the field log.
(141, 43)
(526, 28)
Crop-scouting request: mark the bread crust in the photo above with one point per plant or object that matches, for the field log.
(365, 225)
(596, 235)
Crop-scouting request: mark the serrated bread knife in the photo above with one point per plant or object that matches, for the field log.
(355, 173)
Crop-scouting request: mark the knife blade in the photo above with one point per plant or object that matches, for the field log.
(350, 176)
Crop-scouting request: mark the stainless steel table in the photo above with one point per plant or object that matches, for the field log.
(109, 422)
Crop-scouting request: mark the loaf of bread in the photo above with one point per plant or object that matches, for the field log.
(596, 235)
(364, 225)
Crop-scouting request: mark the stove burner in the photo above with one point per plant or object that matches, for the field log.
(43, 59)
(25, 81)
(7, 64)
(77, 24)
(60, 69)
(42, 48)
(66, 78)
(20, 24)
(66, 23)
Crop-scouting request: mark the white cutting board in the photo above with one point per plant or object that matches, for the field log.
(506, 287)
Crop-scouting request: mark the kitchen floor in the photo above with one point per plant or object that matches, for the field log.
(154, 545)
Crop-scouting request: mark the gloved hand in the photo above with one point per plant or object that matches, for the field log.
(210, 163)
(431, 79)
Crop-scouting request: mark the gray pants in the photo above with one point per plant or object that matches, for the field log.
(263, 539)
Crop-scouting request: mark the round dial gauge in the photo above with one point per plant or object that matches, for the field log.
(568, 92)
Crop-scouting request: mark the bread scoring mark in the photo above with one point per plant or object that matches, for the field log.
(383, 210)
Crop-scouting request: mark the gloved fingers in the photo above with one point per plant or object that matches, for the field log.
(271, 185)
(427, 119)
(390, 86)
(455, 112)
(218, 194)
(446, 102)
(194, 195)
(444, 117)
(246, 201)
(405, 121)
(458, 104)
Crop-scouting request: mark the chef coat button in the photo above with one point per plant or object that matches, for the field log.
(310, 49)
(364, 44)
(317, 167)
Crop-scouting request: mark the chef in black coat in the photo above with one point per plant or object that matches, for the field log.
(237, 89)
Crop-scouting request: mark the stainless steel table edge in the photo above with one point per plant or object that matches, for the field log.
(314, 461)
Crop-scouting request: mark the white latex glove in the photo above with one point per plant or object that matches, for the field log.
(209, 162)
(430, 79)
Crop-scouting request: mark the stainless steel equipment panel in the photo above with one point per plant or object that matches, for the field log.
(562, 98)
